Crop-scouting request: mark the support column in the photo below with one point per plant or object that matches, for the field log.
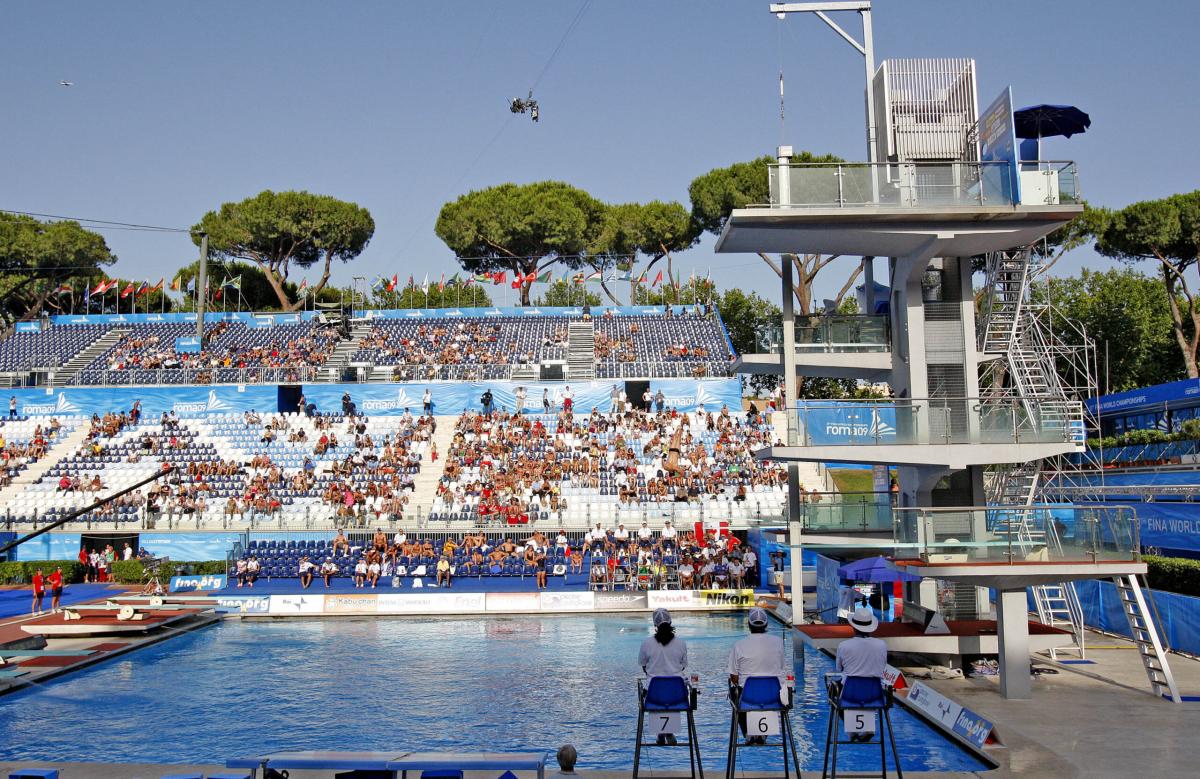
(791, 414)
(1012, 622)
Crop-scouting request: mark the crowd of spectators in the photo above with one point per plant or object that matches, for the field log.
(509, 467)
(226, 346)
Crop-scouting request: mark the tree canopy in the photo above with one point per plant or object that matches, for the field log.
(37, 258)
(524, 229)
(280, 231)
(1165, 232)
(715, 194)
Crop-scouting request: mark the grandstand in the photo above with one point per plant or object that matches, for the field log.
(453, 345)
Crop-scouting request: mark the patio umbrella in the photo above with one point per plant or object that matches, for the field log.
(1046, 121)
(874, 570)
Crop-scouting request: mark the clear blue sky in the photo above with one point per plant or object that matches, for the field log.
(178, 107)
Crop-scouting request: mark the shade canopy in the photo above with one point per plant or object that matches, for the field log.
(874, 570)
(1046, 121)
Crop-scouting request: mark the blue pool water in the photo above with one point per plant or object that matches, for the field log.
(243, 688)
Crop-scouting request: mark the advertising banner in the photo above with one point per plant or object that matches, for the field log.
(198, 583)
(187, 344)
(49, 546)
(183, 400)
(998, 143)
(434, 603)
(568, 601)
(726, 599)
(243, 604)
(456, 397)
(621, 601)
(29, 327)
(849, 423)
(670, 599)
(513, 601)
(245, 317)
(188, 546)
(292, 605)
(352, 603)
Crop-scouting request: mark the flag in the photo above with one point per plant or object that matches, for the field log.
(87, 294)
(545, 278)
(625, 265)
(500, 278)
(624, 276)
(516, 283)
(63, 290)
(175, 282)
(454, 280)
(379, 283)
(191, 288)
(100, 289)
(595, 277)
(482, 277)
(425, 285)
(142, 289)
(643, 278)
(657, 279)
(234, 283)
(391, 287)
(442, 283)
(304, 283)
(578, 278)
(158, 287)
(127, 291)
(530, 278)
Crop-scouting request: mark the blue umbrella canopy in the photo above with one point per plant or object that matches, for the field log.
(1045, 121)
(874, 570)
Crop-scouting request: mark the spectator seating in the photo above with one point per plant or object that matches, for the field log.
(574, 469)
(52, 347)
(26, 440)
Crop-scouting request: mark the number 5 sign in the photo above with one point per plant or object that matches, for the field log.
(762, 723)
(859, 721)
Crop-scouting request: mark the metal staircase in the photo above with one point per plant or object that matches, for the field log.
(581, 351)
(1145, 635)
(1022, 370)
(339, 358)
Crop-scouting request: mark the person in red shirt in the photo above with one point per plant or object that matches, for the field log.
(83, 561)
(56, 588)
(39, 592)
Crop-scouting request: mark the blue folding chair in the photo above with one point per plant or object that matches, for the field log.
(667, 695)
(866, 694)
(757, 697)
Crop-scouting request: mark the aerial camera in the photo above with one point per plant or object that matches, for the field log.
(519, 106)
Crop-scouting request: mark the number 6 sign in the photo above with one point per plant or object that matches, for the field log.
(859, 721)
(762, 723)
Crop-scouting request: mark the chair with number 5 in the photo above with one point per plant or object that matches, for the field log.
(665, 701)
(766, 705)
(861, 704)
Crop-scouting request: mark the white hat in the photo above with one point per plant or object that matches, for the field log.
(864, 620)
(757, 616)
(661, 616)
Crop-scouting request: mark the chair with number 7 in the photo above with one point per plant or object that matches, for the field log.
(665, 700)
(861, 704)
(766, 708)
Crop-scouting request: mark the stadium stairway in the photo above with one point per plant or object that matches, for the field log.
(812, 475)
(67, 446)
(425, 482)
(340, 357)
(581, 351)
(71, 368)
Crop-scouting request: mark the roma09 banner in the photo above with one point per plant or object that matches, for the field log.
(183, 401)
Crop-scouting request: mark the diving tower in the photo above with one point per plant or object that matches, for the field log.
(976, 400)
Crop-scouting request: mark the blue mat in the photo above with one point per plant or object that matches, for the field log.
(16, 603)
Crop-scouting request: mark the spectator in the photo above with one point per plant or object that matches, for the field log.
(443, 571)
(306, 572)
(328, 570)
(758, 654)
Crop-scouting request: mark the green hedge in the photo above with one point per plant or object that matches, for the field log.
(22, 572)
(1188, 430)
(1173, 574)
(123, 571)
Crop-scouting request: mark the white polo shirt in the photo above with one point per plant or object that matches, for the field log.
(861, 656)
(659, 660)
(759, 654)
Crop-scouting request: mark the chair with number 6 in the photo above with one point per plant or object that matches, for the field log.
(860, 704)
(665, 700)
(766, 704)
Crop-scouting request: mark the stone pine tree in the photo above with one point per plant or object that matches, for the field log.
(283, 232)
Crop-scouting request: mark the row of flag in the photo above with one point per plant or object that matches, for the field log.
(144, 288)
(382, 284)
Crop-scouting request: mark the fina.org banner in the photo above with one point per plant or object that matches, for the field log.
(184, 401)
(200, 583)
(451, 398)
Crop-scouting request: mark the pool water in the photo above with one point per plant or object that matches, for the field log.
(514, 683)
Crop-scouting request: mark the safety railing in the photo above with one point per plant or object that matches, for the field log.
(1018, 534)
(916, 184)
(831, 334)
(935, 421)
(171, 376)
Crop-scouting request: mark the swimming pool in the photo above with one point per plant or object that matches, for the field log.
(242, 688)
